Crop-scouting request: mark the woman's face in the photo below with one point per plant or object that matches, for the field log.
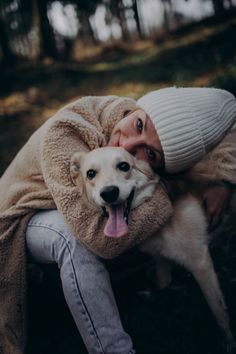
(137, 134)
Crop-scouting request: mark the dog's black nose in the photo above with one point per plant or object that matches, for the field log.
(110, 194)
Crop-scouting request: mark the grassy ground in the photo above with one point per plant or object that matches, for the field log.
(176, 320)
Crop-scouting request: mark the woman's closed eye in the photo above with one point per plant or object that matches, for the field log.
(155, 158)
(139, 125)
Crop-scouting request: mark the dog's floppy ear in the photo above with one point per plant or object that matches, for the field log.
(75, 165)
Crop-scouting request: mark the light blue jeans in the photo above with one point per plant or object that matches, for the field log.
(85, 281)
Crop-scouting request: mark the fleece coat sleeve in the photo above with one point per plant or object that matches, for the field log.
(72, 133)
(39, 178)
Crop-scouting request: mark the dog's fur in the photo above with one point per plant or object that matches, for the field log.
(183, 240)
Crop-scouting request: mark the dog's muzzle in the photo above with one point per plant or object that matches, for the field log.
(118, 214)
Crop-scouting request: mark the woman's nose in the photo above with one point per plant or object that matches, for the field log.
(128, 145)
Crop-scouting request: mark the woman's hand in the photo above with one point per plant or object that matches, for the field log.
(215, 202)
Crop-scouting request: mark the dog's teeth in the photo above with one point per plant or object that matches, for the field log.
(126, 215)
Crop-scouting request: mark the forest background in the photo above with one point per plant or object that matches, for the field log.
(52, 52)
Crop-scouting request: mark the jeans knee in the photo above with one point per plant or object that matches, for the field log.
(62, 246)
(48, 237)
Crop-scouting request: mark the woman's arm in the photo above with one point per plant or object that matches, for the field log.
(61, 141)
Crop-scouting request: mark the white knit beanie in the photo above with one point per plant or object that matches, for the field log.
(189, 122)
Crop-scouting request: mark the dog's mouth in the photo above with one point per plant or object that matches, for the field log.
(118, 214)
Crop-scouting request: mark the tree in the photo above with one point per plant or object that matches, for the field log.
(218, 6)
(7, 55)
(230, 3)
(15, 24)
(118, 9)
(167, 5)
(86, 31)
(48, 46)
(85, 9)
(136, 17)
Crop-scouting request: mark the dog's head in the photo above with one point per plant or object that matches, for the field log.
(113, 179)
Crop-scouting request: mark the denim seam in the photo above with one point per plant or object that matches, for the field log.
(76, 281)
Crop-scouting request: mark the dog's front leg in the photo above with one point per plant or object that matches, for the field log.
(204, 274)
(199, 263)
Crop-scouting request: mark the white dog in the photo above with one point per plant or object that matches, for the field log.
(115, 181)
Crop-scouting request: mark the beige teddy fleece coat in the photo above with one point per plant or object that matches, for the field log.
(39, 178)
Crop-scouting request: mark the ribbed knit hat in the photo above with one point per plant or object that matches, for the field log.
(189, 122)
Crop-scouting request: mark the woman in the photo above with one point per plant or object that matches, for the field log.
(38, 178)
(190, 122)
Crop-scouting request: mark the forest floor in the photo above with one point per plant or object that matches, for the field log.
(173, 321)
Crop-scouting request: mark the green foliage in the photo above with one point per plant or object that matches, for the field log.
(226, 80)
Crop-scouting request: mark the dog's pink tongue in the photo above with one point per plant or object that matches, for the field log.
(116, 225)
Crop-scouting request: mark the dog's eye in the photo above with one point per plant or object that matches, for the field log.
(123, 166)
(91, 174)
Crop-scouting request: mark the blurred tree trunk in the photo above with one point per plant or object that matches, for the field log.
(117, 9)
(137, 19)
(86, 30)
(167, 5)
(120, 14)
(218, 6)
(7, 55)
(231, 5)
(47, 39)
